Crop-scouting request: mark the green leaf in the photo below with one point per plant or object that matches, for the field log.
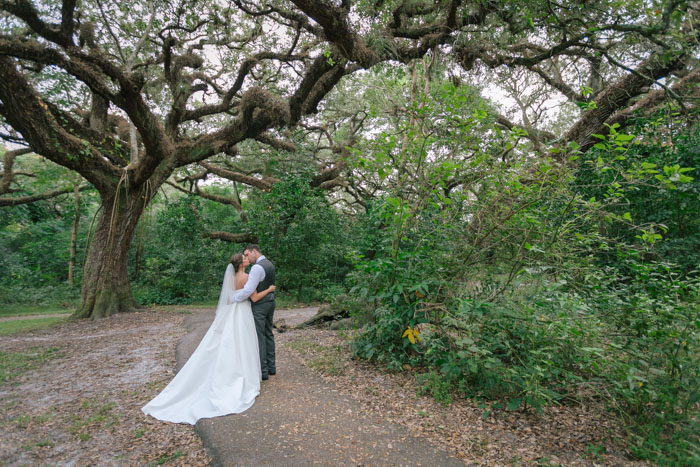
(513, 404)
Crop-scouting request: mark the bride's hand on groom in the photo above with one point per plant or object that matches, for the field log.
(272, 288)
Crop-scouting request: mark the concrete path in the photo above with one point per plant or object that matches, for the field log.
(299, 420)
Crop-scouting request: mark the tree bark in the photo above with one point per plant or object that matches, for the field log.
(324, 314)
(106, 290)
(74, 235)
(133, 143)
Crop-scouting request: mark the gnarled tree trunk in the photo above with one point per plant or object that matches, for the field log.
(105, 286)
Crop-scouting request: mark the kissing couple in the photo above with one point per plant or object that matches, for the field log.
(238, 351)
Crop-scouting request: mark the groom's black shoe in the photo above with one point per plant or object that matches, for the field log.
(272, 373)
(265, 377)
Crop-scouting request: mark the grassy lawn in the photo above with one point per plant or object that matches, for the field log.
(16, 326)
(13, 364)
(22, 310)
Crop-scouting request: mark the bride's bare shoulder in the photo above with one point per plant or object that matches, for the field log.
(241, 279)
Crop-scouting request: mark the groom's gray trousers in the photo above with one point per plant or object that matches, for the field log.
(262, 314)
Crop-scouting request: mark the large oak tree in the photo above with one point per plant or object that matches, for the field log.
(125, 93)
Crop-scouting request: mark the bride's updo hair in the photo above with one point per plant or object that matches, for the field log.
(236, 260)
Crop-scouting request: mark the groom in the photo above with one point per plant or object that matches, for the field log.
(261, 276)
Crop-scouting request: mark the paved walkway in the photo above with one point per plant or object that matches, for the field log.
(299, 420)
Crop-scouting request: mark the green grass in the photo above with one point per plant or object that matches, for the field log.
(13, 364)
(16, 326)
(166, 458)
(38, 444)
(22, 310)
(93, 414)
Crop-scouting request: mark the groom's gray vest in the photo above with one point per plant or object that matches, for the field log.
(266, 282)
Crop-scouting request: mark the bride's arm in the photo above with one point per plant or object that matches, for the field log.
(255, 296)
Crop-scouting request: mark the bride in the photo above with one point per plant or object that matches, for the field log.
(223, 374)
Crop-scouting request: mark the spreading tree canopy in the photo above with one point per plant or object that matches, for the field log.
(125, 93)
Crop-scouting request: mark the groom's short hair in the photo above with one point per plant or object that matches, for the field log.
(251, 247)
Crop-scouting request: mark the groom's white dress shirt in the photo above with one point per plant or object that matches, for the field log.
(256, 275)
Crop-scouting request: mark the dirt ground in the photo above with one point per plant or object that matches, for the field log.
(82, 406)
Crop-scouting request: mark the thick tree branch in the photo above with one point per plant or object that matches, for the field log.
(8, 201)
(27, 113)
(129, 98)
(231, 237)
(244, 70)
(59, 34)
(336, 28)
(67, 23)
(687, 87)
(34, 51)
(616, 96)
(279, 144)
(239, 177)
(258, 110)
(328, 177)
(8, 161)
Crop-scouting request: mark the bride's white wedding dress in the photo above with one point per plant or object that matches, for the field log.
(223, 374)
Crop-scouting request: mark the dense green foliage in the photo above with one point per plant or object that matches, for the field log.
(450, 169)
(561, 286)
(180, 266)
(35, 239)
(308, 240)
(171, 262)
(296, 228)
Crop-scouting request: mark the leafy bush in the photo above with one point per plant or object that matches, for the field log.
(158, 296)
(35, 242)
(552, 286)
(180, 266)
(652, 366)
(523, 353)
(436, 385)
(306, 239)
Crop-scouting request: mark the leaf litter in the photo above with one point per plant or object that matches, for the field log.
(84, 406)
(584, 434)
